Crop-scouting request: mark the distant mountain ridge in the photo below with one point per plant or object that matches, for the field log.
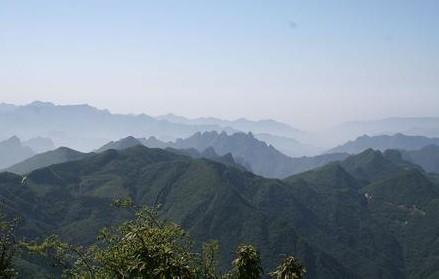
(83, 127)
(120, 144)
(262, 126)
(384, 142)
(246, 149)
(278, 134)
(418, 150)
(251, 154)
(290, 146)
(60, 155)
(40, 144)
(426, 157)
(12, 151)
(413, 126)
(207, 153)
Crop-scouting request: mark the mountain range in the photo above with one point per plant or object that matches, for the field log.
(426, 157)
(207, 153)
(267, 126)
(45, 159)
(246, 149)
(384, 142)
(265, 160)
(13, 150)
(83, 127)
(372, 215)
(290, 146)
(413, 126)
(365, 209)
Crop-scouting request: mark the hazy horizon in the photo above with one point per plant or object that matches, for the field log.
(311, 64)
(220, 118)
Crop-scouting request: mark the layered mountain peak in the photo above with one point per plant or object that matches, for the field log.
(370, 165)
(331, 176)
(13, 151)
(40, 144)
(124, 143)
(383, 142)
(247, 150)
(12, 141)
(209, 152)
(59, 155)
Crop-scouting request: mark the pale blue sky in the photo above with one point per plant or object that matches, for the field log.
(308, 63)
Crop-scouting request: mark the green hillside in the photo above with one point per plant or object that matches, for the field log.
(57, 156)
(340, 226)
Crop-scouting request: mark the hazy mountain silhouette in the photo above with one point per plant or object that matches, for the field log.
(7, 107)
(383, 142)
(13, 151)
(413, 126)
(426, 157)
(266, 126)
(257, 156)
(59, 155)
(290, 146)
(153, 142)
(84, 127)
(208, 153)
(40, 144)
(120, 144)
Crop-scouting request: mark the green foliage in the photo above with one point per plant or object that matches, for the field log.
(126, 202)
(148, 247)
(8, 245)
(247, 265)
(145, 247)
(290, 268)
(209, 260)
(64, 255)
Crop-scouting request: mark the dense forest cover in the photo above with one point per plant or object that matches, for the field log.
(372, 215)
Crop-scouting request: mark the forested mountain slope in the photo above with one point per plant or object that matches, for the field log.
(341, 222)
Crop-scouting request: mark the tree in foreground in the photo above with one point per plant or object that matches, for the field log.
(247, 265)
(207, 267)
(144, 248)
(148, 247)
(290, 268)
